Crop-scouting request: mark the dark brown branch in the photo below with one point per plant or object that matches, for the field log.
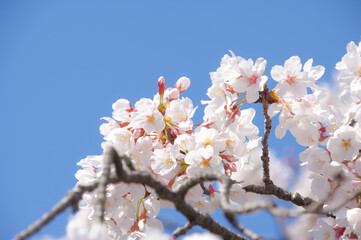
(182, 230)
(267, 130)
(163, 192)
(226, 184)
(314, 208)
(205, 190)
(281, 193)
(233, 220)
(192, 181)
(72, 198)
(188, 211)
(103, 182)
(117, 160)
(177, 197)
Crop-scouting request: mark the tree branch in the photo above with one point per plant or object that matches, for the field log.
(103, 182)
(280, 193)
(182, 230)
(177, 197)
(72, 198)
(267, 130)
(233, 220)
(189, 212)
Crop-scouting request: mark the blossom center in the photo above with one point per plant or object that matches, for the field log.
(205, 162)
(208, 142)
(199, 204)
(219, 92)
(233, 194)
(326, 235)
(290, 79)
(150, 118)
(252, 80)
(229, 143)
(168, 161)
(346, 144)
(124, 138)
(182, 116)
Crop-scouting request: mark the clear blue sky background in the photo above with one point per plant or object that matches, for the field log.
(63, 64)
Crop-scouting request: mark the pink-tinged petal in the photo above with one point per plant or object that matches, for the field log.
(240, 84)
(308, 65)
(182, 84)
(317, 72)
(278, 73)
(280, 131)
(273, 109)
(260, 66)
(293, 65)
(252, 94)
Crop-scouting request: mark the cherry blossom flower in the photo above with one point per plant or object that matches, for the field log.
(142, 153)
(237, 195)
(324, 229)
(354, 218)
(210, 137)
(164, 160)
(291, 80)
(159, 138)
(251, 78)
(122, 140)
(351, 62)
(203, 160)
(345, 144)
(180, 112)
(147, 116)
(195, 198)
(243, 76)
(185, 142)
(122, 110)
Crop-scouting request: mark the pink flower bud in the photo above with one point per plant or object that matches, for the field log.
(183, 84)
(173, 94)
(138, 132)
(161, 85)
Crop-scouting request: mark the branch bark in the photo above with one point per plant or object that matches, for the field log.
(267, 130)
(72, 198)
(182, 230)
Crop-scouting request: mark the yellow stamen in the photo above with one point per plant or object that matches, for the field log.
(346, 144)
(150, 118)
(291, 79)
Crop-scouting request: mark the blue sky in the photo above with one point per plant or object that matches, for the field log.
(63, 64)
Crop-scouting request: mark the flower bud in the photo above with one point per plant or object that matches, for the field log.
(173, 94)
(161, 85)
(183, 84)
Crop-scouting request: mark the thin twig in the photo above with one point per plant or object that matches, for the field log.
(188, 211)
(109, 156)
(205, 190)
(182, 230)
(71, 198)
(250, 234)
(267, 130)
(163, 192)
(227, 208)
(281, 193)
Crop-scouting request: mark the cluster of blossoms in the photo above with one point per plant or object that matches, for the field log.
(330, 128)
(159, 137)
